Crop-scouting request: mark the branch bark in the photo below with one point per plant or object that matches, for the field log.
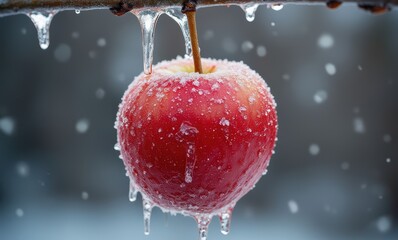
(119, 7)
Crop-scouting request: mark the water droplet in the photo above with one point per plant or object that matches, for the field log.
(100, 93)
(345, 166)
(225, 220)
(7, 125)
(261, 51)
(250, 10)
(75, 35)
(42, 22)
(148, 19)
(276, 6)
(132, 192)
(147, 208)
(92, 54)
(23, 169)
(286, 77)
(387, 138)
(82, 125)
(330, 69)
(383, 224)
(85, 195)
(325, 41)
(247, 46)
(333, 4)
(203, 225)
(101, 42)
(229, 45)
(77, 11)
(117, 146)
(19, 212)
(62, 53)
(314, 149)
(388, 160)
(320, 96)
(181, 19)
(209, 34)
(359, 125)
(293, 206)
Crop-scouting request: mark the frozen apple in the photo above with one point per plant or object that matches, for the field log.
(196, 143)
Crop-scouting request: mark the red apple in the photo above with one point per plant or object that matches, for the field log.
(196, 143)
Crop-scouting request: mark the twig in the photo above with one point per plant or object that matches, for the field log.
(119, 7)
(189, 8)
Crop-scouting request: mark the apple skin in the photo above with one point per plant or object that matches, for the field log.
(196, 143)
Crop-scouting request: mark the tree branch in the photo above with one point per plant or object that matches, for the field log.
(119, 7)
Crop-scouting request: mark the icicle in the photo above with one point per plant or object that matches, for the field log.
(148, 19)
(132, 192)
(42, 22)
(225, 220)
(203, 225)
(190, 162)
(250, 10)
(147, 207)
(176, 14)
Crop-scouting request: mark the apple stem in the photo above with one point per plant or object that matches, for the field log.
(189, 9)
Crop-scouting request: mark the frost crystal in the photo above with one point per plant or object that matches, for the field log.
(224, 122)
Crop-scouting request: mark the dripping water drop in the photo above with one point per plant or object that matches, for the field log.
(250, 11)
(42, 22)
(148, 19)
(77, 11)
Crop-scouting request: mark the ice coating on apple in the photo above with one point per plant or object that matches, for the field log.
(196, 143)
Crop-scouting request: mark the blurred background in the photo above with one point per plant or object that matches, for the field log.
(334, 74)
